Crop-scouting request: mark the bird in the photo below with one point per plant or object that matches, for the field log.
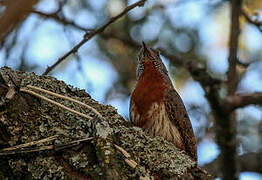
(155, 105)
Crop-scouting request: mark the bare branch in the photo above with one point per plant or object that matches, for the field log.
(245, 64)
(27, 147)
(66, 98)
(256, 23)
(60, 20)
(55, 103)
(225, 122)
(32, 143)
(88, 35)
(241, 100)
(247, 162)
(233, 45)
(197, 71)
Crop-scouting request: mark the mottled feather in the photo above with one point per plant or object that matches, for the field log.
(178, 115)
(156, 107)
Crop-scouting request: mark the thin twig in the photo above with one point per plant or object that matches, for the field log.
(27, 150)
(245, 64)
(51, 138)
(66, 98)
(55, 103)
(126, 154)
(42, 148)
(72, 143)
(131, 163)
(60, 20)
(91, 34)
(258, 24)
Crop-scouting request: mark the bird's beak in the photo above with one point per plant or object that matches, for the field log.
(145, 49)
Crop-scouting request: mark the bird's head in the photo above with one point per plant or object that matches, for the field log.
(148, 57)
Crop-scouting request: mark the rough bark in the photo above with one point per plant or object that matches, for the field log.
(25, 118)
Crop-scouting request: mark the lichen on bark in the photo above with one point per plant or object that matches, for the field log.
(25, 118)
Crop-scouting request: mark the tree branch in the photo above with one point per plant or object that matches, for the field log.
(197, 72)
(233, 45)
(256, 23)
(60, 20)
(241, 100)
(88, 35)
(226, 123)
(247, 162)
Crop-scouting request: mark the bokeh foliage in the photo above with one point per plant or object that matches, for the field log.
(197, 30)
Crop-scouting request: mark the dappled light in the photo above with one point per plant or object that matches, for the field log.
(214, 60)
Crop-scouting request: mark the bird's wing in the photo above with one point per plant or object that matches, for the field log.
(178, 116)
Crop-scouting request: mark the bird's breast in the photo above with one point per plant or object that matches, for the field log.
(147, 106)
(157, 123)
(149, 89)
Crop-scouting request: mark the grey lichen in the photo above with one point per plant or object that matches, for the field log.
(79, 160)
(103, 129)
(157, 153)
(29, 119)
(37, 167)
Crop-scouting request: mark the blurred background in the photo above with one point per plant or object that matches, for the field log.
(105, 66)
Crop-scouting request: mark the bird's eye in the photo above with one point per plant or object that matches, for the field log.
(155, 63)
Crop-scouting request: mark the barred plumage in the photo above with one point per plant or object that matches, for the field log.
(156, 107)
